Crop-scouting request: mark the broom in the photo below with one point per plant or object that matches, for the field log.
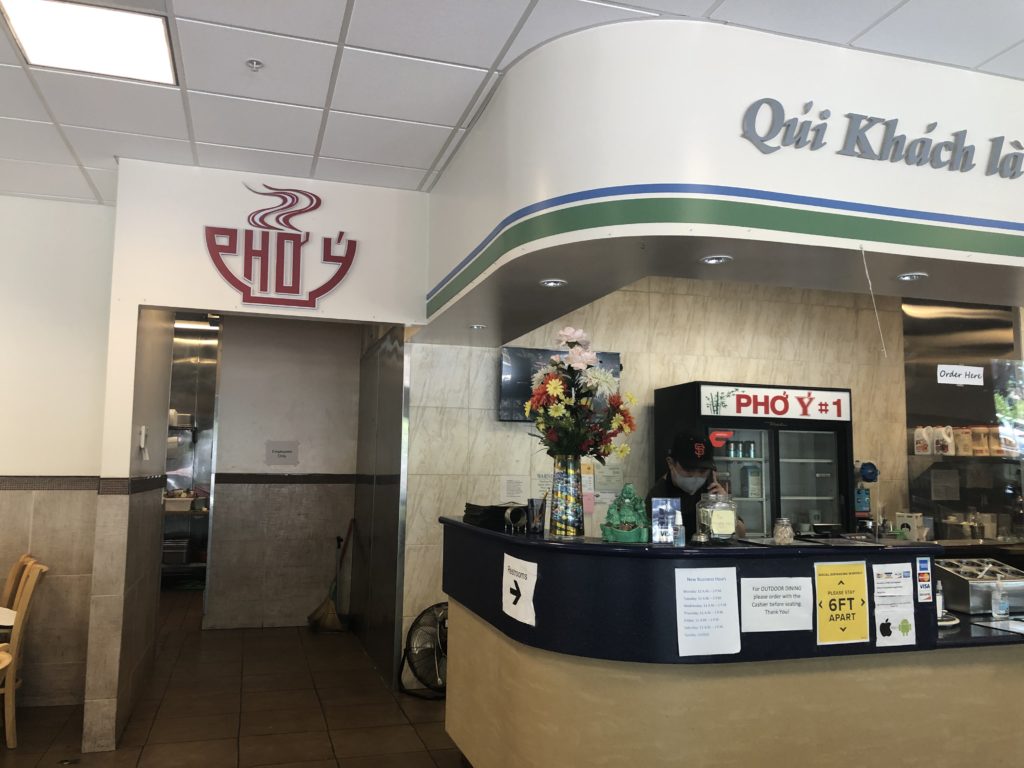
(326, 617)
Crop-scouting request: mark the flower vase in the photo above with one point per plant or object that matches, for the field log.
(567, 498)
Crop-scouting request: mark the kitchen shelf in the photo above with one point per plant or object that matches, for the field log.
(181, 566)
(807, 461)
(739, 458)
(943, 458)
(748, 498)
(807, 498)
(173, 428)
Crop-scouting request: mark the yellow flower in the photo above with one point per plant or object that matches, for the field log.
(622, 450)
(541, 425)
(556, 410)
(556, 388)
(618, 422)
(630, 400)
(527, 406)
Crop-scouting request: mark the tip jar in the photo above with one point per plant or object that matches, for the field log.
(716, 518)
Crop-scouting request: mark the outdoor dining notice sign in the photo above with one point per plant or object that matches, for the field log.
(841, 602)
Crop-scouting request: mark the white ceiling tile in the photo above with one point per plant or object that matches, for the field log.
(294, 71)
(17, 177)
(835, 21)
(121, 105)
(378, 140)
(946, 31)
(254, 160)
(19, 97)
(551, 18)
(316, 20)
(254, 124)
(409, 89)
(679, 7)
(7, 52)
(481, 100)
(101, 149)
(460, 31)
(146, 6)
(373, 174)
(105, 181)
(28, 140)
(1010, 63)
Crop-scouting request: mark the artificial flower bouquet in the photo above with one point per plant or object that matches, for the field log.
(576, 406)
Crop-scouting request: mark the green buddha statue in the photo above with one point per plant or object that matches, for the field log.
(626, 520)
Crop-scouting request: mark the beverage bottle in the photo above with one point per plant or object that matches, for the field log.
(940, 600)
(1000, 600)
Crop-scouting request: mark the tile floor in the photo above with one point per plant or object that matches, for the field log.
(239, 698)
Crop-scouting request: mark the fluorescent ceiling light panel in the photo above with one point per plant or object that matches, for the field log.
(86, 38)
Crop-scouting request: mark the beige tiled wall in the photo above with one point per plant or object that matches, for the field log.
(56, 527)
(668, 331)
(272, 557)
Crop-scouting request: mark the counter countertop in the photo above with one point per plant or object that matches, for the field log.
(738, 548)
(966, 634)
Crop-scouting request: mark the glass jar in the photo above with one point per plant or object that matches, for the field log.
(716, 517)
(783, 531)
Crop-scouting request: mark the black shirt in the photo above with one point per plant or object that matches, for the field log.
(666, 489)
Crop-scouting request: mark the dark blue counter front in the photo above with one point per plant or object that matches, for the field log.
(618, 602)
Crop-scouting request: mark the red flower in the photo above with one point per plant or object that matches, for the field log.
(615, 401)
(552, 436)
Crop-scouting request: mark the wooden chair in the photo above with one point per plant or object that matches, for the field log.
(15, 648)
(14, 575)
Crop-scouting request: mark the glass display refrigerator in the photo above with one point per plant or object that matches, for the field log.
(780, 451)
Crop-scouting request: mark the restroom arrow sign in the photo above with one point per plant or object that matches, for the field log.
(518, 581)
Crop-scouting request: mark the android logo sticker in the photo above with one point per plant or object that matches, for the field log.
(904, 627)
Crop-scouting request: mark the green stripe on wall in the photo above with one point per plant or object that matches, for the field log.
(681, 210)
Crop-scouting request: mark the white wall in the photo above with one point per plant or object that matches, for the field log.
(288, 380)
(658, 102)
(54, 301)
(161, 260)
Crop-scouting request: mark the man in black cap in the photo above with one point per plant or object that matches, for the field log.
(691, 473)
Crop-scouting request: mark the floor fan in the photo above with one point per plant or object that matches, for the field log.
(426, 651)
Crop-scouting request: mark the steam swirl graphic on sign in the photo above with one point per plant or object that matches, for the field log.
(266, 261)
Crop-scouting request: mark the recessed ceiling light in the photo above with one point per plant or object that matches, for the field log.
(87, 38)
(477, 327)
(910, 277)
(716, 259)
(554, 282)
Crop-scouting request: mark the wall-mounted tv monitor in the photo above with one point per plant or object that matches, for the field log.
(518, 364)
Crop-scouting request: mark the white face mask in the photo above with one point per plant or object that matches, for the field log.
(689, 484)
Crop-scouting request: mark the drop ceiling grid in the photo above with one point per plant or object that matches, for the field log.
(398, 110)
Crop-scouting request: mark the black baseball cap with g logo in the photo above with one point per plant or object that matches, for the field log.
(692, 450)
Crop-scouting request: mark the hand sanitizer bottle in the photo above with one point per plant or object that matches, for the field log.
(1000, 600)
(940, 600)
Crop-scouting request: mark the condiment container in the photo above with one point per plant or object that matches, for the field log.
(783, 531)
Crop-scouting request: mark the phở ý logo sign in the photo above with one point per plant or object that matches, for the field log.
(267, 262)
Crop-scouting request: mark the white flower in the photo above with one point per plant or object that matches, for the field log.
(580, 358)
(570, 336)
(601, 381)
(538, 377)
